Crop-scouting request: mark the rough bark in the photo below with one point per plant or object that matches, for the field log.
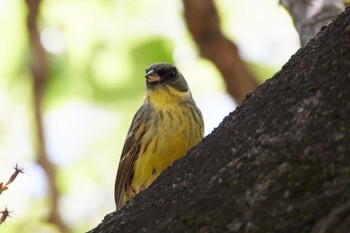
(279, 163)
(309, 16)
(204, 25)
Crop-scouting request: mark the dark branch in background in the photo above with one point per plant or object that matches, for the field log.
(39, 69)
(204, 25)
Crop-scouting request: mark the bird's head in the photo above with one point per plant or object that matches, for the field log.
(161, 75)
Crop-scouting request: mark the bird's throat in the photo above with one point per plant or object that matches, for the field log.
(166, 96)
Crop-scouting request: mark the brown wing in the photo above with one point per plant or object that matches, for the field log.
(129, 154)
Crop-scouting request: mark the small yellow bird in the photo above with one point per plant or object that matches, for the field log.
(166, 126)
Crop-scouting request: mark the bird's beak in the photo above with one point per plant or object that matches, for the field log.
(152, 76)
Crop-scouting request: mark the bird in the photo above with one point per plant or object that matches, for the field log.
(166, 126)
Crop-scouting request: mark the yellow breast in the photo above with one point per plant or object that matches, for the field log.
(174, 127)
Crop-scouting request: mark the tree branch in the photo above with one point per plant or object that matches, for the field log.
(39, 69)
(310, 16)
(204, 24)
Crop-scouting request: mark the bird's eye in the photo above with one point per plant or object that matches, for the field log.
(171, 74)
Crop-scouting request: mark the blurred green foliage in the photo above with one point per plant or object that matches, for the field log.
(92, 58)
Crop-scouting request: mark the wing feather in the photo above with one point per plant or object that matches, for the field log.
(129, 154)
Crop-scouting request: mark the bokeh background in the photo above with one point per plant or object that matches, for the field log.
(97, 52)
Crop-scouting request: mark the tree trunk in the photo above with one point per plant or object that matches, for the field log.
(309, 16)
(279, 163)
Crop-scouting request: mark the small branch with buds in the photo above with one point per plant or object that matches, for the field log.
(12, 178)
(6, 213)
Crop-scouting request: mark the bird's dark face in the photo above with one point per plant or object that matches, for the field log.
(162, 74)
